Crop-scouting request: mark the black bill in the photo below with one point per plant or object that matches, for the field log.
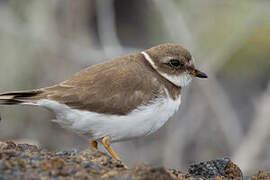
(200, 74)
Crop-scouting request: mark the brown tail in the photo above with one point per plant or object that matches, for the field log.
(18, 97)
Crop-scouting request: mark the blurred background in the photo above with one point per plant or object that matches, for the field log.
(45, 42)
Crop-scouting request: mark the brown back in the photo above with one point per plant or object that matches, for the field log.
(116, 86)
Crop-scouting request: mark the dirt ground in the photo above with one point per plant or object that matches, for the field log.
(23, 161)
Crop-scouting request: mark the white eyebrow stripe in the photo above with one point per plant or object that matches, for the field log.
(149, 59)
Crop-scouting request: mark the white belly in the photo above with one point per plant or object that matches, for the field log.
(140, 122)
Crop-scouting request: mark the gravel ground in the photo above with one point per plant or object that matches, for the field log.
(23, 161)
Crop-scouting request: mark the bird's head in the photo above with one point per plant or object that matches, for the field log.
(173, 62)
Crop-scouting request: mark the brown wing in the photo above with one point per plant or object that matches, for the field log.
(116, 86)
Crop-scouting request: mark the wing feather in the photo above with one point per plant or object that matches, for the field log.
(116, 86)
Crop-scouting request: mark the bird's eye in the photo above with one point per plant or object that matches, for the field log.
(175, 63)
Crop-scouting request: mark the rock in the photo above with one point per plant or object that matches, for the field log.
(23, 161)
(223, 167)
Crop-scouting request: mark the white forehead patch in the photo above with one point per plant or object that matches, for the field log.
(180, 80)
(193, 58)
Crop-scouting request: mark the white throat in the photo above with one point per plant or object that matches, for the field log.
(181, 80)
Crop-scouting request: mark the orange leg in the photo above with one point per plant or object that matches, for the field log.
(106, 144)
(94, 144)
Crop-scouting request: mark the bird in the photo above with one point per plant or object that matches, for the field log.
(123, 98)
